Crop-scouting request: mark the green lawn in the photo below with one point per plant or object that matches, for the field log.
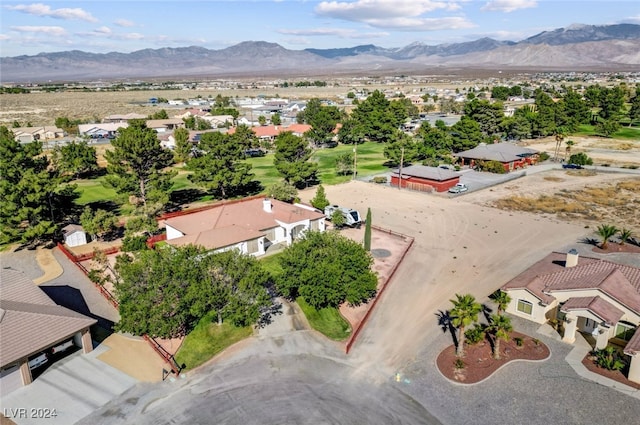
(208, 339)
(271, 264)
(370, 160)
(328, 321)
(625, 133)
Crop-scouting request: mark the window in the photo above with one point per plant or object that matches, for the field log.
(625, 331)
(525, 307)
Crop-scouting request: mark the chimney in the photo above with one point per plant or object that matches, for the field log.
(572, 259)
(266, 205)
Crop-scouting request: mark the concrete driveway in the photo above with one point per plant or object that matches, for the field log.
(74, 387)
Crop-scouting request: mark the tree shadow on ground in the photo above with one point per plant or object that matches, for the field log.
(444, 321)
(590, 241)
(184, 196)
(109, 206)
(267, 315)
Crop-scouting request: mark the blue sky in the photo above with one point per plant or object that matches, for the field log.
(28, 28)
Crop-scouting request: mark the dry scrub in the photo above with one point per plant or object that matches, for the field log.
(616, 204)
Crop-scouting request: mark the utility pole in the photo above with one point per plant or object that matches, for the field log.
(355, 160)
(400, 170)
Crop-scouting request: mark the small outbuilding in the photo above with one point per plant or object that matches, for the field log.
(425, 179)
(74, 235)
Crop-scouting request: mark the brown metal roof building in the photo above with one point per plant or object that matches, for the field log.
(30, 325)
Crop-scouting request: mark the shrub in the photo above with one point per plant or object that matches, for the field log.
(380, 179)
(492, 167)
(544, 156)
(536, 341)
(459, 364)
(474, 335)
(519, 341)
(134, 243)
(608, 358)
(580, 158)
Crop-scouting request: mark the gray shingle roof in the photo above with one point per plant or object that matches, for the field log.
(502, 152)
(424, 172)
(29, 320)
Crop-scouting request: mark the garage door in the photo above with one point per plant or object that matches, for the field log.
(10, 379)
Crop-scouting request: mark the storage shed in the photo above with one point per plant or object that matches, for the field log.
(74, 235)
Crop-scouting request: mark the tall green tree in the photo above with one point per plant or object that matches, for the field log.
(183, 149)
(634, 110)
(501, 299)
(292, 160)
(488, 115)
(322, 119)
(275, 119)
(165, 292)
(465, 312)
(327, 269)
(367, 232)
(282, 191)
(98, 223)
(377, 120)
(466, 134)
(344, 164)
(404, 150)
(222, 169)
(34, 197)
(76, 158)
(499, 327)
(320, 201)
(138, 165)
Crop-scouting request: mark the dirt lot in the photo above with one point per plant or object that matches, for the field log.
(602, 150)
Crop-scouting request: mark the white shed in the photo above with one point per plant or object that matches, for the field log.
(74, 235)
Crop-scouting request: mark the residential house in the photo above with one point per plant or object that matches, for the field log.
(103, 130)
(597, 297)
(510, 155)
(162, 126)
(32, 329)
(120, 118)
(425, 179)
(31, 134)
(251, 226)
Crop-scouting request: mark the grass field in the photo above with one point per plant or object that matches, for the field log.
(208, 339)
(370, 160)
(624, 133)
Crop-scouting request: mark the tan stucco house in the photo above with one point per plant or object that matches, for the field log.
(250, 226)
(33, 328)
(588, 295)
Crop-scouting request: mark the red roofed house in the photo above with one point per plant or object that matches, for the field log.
(591, 295)
(250, 226)
(425, 179)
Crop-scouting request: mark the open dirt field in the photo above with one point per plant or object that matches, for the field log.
(602, 150)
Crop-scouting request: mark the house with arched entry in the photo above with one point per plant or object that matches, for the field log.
(588, 295)
(251, 226)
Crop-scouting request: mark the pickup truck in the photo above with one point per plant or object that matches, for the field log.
(458, 188)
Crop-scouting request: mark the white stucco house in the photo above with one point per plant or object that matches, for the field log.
(250, 226)
(587, 295)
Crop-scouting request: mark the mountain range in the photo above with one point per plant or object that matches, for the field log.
(575, 48)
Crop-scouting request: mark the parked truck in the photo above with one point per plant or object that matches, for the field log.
(352, 217)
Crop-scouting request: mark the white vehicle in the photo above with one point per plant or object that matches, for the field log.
(351, 217)
(62, 347)
(458, 188)
(38, 361)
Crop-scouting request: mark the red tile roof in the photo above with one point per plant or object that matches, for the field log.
(596, 305)
(237, 222)
(549, 276)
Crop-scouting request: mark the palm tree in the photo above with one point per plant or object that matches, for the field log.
(559, 139)
(606, 231)
(625, 235)
(502, 300)
(464, 312)
(567, 149)
(500, 327)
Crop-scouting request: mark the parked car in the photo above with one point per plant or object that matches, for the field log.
(572, 166)
(253, 153)
(458, 188)
(38, 361)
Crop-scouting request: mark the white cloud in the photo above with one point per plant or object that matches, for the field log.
(103, 30)
(421, 24)
(4, 37)
(508, 6)
(49, 30)
(364, 10)
(132, 36)
(334, 32)
(631, 20)
(124, 23)
(39, 9)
